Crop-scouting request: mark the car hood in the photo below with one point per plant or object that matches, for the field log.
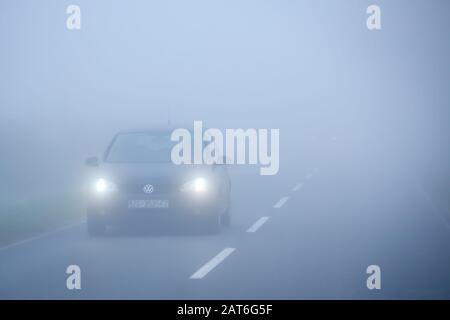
(142, 173)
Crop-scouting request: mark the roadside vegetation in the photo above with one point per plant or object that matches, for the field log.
(25, 218)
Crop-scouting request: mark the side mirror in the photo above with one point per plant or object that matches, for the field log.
(91, 162)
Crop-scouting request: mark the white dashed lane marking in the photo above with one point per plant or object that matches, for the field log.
(281, 202)
(214, 262)
(211, 264)
(257, 224)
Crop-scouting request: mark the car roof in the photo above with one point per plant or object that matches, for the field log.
(155, 129)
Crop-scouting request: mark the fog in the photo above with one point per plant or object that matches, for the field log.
(307, 67)
(310, 68)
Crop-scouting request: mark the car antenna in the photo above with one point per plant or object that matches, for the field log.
(168, 117)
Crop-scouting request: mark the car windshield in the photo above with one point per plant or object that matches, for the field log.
(140, 147)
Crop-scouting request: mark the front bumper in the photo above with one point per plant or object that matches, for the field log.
(114, 208)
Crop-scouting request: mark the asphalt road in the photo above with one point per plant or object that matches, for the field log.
(316, 227)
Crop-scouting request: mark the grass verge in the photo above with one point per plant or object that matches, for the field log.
(26, 218)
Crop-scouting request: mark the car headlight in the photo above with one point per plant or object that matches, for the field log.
(104, 186)
(198, 185)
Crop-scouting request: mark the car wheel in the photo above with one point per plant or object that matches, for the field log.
(95, 224)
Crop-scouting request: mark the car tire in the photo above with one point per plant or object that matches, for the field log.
(95, 225)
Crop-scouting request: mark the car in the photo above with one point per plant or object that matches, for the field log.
(135, 181)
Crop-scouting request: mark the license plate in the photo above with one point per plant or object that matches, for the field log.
(148, 204)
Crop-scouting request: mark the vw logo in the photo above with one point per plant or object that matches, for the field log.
(148, 188)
